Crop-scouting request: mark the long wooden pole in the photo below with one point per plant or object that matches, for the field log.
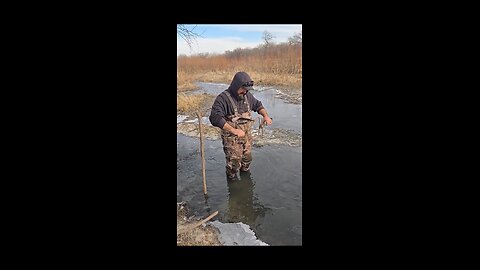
(202, 153)
(197, 224)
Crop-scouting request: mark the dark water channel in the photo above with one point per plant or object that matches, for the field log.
(269, 199)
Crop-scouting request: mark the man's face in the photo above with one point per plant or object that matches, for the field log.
(242, 91)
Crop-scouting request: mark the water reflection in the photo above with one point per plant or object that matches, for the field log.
(243, 206)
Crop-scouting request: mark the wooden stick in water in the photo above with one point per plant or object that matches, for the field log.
(260, 126)
(202, 153)
(197, 224)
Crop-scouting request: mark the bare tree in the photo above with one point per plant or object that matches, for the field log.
(186, 34)
(296, 39)
(267, 37)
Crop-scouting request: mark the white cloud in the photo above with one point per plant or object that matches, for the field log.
(281, 32)
(279, 28)
(213, 45)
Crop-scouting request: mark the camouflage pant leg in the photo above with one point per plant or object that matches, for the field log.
(246, 153)
(233, 154)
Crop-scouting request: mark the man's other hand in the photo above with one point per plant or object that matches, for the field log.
(238, 132)
(267, 120)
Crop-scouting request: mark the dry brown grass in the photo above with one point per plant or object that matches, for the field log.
(271, 79)
(189, 104)
(213, 76)
(185, 81)
(199, 236)
(260, 78)
(277, 66)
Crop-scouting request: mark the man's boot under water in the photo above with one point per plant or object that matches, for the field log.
(231, 176)
(245, 175)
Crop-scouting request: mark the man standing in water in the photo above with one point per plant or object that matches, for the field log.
(231, 112)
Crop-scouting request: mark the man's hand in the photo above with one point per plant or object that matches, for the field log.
(234, 131)
(267, 120)
(240, 133)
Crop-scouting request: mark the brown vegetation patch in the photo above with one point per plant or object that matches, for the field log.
(189, 104)
(275, 65)
(199, 236)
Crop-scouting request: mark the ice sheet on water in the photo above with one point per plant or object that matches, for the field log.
(236, 234)
(205, 121)
(180, 118)
(191, 119)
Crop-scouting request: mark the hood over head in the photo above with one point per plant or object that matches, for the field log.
(241, 78)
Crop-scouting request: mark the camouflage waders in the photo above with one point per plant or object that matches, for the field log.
(238, 151)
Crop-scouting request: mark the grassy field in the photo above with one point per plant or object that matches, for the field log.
(279, 65)
(185, 81)
(189, 104)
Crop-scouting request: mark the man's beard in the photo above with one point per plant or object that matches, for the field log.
(241, 97)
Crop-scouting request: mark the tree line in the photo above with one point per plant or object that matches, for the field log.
(281, 58)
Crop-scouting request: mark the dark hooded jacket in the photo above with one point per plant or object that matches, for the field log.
(222, 107)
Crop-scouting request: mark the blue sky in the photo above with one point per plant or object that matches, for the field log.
(217, 38)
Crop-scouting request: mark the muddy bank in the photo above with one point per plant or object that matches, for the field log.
(212, 233)
(187, 123)
(290, 95)
(203, 235)
(260, 138)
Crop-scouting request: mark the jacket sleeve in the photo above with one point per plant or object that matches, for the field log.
(218, 113)
(255, 104)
